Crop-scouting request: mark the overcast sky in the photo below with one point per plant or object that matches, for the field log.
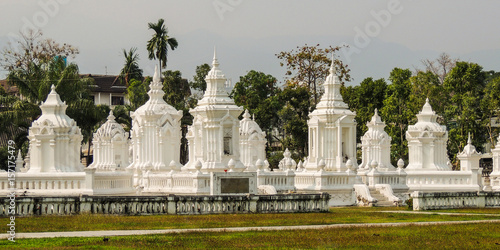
(248, 33)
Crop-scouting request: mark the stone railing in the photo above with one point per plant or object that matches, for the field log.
(171, 204)
(451, 200)
(435, 181)
(293, 203)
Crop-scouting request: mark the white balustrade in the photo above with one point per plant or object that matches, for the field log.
(451, 200)
(172, 204)
(459, 181)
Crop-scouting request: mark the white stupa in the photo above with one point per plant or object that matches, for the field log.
(376, 145)
(55, 139)
(332, 129)
(252, 142)
(214, 136)
(156, 131)
(427, 142)
(111, 146)
(495, 174)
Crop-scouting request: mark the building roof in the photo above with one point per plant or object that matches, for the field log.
(106, 84)
(103, 84)
(10, 89)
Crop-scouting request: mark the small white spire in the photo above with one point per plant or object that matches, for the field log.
(111, 117)
(156, 76)
(332, 66)
(215, 62)
(469, 141)
(246, 115)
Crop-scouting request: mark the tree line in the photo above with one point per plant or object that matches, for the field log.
(466, 97)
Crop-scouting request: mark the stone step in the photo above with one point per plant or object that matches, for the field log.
(378, 197)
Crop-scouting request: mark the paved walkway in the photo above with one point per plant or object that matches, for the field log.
(236, 229)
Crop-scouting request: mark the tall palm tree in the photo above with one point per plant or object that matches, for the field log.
(131, 68)
(159, 43)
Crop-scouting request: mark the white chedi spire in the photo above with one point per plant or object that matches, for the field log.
(420, 137)
(427, 120)
(376, 121)
(469, 157)
(215, 72)
(252, 142)
(47, 131)
(216, 93)
(427, 114)
(332, 99)
(156, 92)
(156, 131)
(54, 110)
(376, 144)
(469, 149)
(111, 147)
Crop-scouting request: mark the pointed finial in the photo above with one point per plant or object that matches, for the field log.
(215, 62)
(376, 111)
(111, 117)
(332, 67)
(246, 115)
(156, 76)
(469, 141)
(287, 153)
(401, 163)
(427, 109)
(53, 88)
(253, 117)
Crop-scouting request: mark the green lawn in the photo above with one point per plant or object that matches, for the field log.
(484, 236)
(471, 236)
(89, 222)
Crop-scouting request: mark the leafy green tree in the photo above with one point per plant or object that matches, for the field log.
(309, 65)
(41, 63)
(258, 93)
(490, 106)
(199, 82)
(178, 94)
(160, 42)
(464, 86)
(15, 119)
(292, 123)
(176, 89)
(364, 99)
(427, 85)
(122, 116)
(131, 68)
(137, 92)
(396, 111)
